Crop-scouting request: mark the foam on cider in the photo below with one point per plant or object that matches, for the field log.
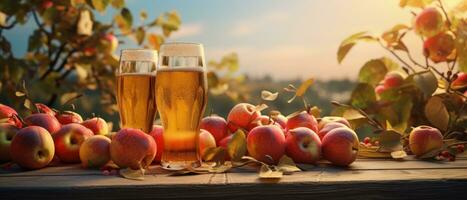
(139, 55)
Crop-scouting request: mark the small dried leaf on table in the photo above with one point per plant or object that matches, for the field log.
(267, 172)
(132, 174)
(287, 165)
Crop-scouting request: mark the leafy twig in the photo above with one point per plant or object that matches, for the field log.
(445, 14)
(397, 56)
(370, 120)
(39, 24)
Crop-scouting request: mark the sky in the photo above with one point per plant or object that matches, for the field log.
(284, 39)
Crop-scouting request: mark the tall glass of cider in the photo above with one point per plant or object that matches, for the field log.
(136, 77)
(181, 96)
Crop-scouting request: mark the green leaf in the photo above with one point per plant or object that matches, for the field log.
(349, 42)
(74, 3)
(363, 96)
(36, 40)
(415, 3)
(143, 15)
(267, 173)
(390, 140)
(140, 35)
(431, 153)
(436, 113)
(372, 72)
(215, 154)
(237, 146)
(461, 46)
(124, 21)
(126, 14)
(392, 36)
(426, 81)
(118, 3)
(287, 165)
(68, 97)
(100, 5)
(390, 64)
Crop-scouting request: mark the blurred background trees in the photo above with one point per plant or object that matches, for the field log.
(71, 59)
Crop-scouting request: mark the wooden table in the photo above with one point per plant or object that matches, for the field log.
(365, 179)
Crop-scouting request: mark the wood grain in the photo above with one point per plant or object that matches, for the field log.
(366, 178)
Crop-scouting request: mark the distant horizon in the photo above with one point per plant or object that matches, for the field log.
(288, 40)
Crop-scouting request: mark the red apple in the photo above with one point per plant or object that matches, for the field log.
(429, 22)
(379, 89)
(97, 125)
(330, 119)
(264, 141)
(440, 47)
(281, 120)
(44, 109)
(303, 145)
(89, 51)
(50, 123)
(241, 116)
(424, 139)
(95, 151)
(110, 43)
(328, 127)
(132, 148)
(392, 80)
(68, 117)
(215, 125)
(68, 140)
(10, 115)
(7, 132)
(340, 146)
(302, 119)
(32, 148)
(206, 141)
(461, 81)
(157, 134)
(47, 4)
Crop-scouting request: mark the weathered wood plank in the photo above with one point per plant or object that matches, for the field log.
(366, 178)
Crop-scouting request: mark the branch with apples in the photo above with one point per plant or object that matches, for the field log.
(412, 106)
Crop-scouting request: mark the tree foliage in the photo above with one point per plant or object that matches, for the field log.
(430, 93)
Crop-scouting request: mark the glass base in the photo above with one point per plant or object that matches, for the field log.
(179, 165)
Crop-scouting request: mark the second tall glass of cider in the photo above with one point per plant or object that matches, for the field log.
(181, 96)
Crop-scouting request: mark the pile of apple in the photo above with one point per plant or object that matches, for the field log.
(34, 142)
(299, 136)
(49, 135)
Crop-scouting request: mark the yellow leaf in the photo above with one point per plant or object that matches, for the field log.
(269, 96)
(398, 154)
(267, 172)
(315, 111)
(132, 174)
(237, 146)
(3, 17)
(85, 23)
(287, 165)
(155, 41)
(302, 89)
